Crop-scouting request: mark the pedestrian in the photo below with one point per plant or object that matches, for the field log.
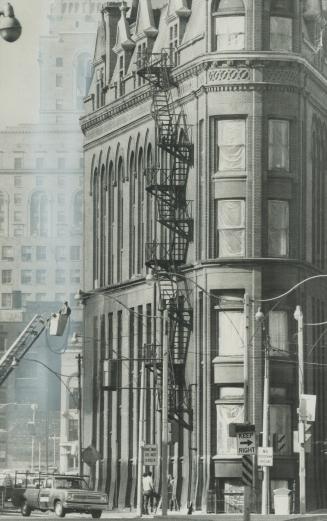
(149, 493)
(147, 485)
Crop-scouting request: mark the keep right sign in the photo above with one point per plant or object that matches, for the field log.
(265, 456)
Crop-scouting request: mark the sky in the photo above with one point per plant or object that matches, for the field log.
(19, 68)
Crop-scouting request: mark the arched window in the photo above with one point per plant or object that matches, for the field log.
(228, 18)
(140, 178)
(103, 227)
(120, 216)
(83, 73)
(3, 213)
(111, 222)
(39, 215)
(281, 25)
(78, 210)
(96, 218)
(132, 219)
(149, 199)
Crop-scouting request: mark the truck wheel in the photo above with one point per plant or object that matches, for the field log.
(59, 509)
(96, 514)
(25, 509)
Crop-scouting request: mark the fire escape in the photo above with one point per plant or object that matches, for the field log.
(167, 184)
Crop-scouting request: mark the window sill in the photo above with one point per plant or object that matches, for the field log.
(227, 174)
(228, 359)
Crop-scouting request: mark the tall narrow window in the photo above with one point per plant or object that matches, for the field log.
(132, 210)
(111, 222)
(39, 215)
(230, 228)
(229, 25)
(231, 332)
(96, 227)
(140, 182)
(149, 200)
(173, 43)
(278, 332)
(120, 223)
(281, 427)
(121, 76)
(279, 147)
(278, 228)
(103, 227)
(230, 139)
(281, 25)
(229, 409)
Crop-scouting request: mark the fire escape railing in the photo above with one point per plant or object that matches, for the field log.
(174, 213)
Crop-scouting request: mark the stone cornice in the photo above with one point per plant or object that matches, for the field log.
(221, 72)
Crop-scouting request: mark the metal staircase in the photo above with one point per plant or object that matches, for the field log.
(174, 212)
(20, 346)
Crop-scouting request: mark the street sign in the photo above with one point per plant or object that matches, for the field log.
(307, 409)
(307, 440)
(150, 455)
(245, 442)
(265, 456)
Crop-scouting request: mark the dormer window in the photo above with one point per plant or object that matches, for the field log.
(281, 25)
(229, 25)
(173, 43)
(121, 86)
(99, 89)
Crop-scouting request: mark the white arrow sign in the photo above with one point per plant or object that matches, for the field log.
(245, 443)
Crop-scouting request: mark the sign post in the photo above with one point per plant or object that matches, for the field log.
(246, 447)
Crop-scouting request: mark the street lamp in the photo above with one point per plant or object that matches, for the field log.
(10, 28)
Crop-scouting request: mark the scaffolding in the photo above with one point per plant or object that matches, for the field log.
(167, 184)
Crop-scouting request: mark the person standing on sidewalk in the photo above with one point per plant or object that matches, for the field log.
(147, 485)
(149, 492)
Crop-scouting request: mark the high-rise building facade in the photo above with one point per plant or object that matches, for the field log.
(204, 151)
(41, 204)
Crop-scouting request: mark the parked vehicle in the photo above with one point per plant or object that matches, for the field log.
(60, 494)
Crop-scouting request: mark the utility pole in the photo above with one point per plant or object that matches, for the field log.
(298, 315)
(164, 438)
(265, 415)
(141, 443)
(247, 489)
(79, 378)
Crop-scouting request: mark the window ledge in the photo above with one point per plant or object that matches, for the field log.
(224, 457)
(228, 174)
(236, 359)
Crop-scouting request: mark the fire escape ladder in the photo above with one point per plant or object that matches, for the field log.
(174, 212)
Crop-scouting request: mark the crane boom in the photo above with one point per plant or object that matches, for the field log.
(27, 337)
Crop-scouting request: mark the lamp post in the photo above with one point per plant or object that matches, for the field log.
(10, 28)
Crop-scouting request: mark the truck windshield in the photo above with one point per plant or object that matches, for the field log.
(67, 483)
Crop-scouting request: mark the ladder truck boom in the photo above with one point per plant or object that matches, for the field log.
(28, 336)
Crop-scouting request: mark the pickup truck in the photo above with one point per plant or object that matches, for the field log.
(61, 494)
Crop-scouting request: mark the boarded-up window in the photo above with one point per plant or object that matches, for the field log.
(231, 228)
(231, 144)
